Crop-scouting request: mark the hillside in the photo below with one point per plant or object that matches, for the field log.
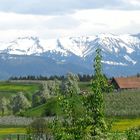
(124, 104)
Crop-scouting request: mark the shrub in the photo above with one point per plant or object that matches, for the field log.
(133, 134)
(38, 126)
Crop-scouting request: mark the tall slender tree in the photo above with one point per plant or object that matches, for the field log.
(95, 102)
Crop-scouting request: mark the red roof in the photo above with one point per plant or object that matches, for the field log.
(128, 82)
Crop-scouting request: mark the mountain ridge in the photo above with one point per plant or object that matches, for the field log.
(119, 52)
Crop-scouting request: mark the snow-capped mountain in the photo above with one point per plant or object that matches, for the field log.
(22, 46)
(121, 55)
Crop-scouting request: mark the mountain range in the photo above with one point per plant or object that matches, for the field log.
(34, 56)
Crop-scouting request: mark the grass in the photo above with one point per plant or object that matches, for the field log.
(85, 86)
(51, 108)
(5, 131)
(11, 132)
(125, 124)
(41, 110)
(7, 89)
(36, 112)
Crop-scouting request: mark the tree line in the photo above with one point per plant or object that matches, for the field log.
(82, 77)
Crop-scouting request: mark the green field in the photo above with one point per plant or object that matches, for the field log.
(5, 131)
(123, 108)
(11, 133)
(8, 89)
(124, 124)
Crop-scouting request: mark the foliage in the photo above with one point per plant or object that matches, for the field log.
(19, 103)
(52, 108)
(84, 77)
(3, 105)
(10, 89)
(133, 134)
(124, 104)
(38, 126)
(41, 77)
(69, 126)
(52, 87)
(95, 103)
(69, 85)
(116, 136)
(39, 98)
(49, 91)
(91, 126)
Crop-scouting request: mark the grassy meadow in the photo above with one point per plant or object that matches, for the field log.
(8, 89)
(123, 124)
(122, 108)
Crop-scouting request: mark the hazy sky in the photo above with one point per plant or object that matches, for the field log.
(58, 18)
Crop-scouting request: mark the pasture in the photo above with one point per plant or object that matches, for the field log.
(8, 89)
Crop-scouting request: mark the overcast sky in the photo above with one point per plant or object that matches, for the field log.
(58, 18)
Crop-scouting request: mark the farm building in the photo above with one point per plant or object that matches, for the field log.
(126, 82)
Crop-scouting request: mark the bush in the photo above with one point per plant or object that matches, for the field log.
(38, 126)
(51, 107)
(133, 134)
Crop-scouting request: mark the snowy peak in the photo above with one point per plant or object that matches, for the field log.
(85, 46)
(31, 55)
(113, 43)
(80, 46)
(113, 47)
(22, 46)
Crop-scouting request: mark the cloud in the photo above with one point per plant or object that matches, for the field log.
(83, 22)
(107, 21)
(14, 25)
(20, 21)
(59, 7)
(62, 22)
